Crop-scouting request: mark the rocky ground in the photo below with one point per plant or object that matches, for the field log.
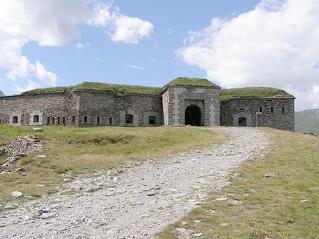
(133, 202)
(17, 148)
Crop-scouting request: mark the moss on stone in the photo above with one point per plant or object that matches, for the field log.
(227, 94)
(196, 82)
(120, 89)
(93, 86)
(51, 90)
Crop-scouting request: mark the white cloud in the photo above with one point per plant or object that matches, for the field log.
(130, 30)
(276, 44)
(82, 45)
(135, 67)
(29, 86)
(44, 75)
(121, 28)
(54, 23)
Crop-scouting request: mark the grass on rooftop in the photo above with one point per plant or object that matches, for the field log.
(196, 82)
(94, 86)
(284, 205)
(227, 94)
(84, 150)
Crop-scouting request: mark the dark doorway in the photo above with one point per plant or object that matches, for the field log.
(193, 116)
(242, 122)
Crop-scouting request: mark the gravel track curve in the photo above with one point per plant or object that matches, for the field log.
(134, 202)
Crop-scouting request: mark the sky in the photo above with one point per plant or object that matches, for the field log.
(234, 43)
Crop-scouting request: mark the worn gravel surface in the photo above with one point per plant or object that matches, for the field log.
(133, 202)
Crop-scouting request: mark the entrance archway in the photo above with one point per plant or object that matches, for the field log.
(193, 116)
(242, 122)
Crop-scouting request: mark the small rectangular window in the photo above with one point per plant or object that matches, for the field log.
(59, 120)
(272, 109)
(36, 118)
(242, 109)
(85, 119)
(63, 120)
(98, 120)
(15, 119)
(283, 110)
(261, 109)
(110, 120)
(53, 120)
(152, 120)
(48, 121)
(73, 119)
(129, 119)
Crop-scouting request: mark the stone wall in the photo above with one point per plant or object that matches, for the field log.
(272, 112)
(92, 108)
(177, 99)
(101, 109)
(54, 109)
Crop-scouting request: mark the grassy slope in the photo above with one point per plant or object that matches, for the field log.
(271, 207)
(85, 150)
(307, 121)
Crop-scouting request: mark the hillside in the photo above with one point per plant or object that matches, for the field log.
(1, 93)
(85, 150)
(139, 200)
(308, 121)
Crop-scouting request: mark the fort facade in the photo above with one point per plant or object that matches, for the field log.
(183, 101)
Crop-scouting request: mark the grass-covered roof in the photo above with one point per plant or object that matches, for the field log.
(94, 86)
(51, 90)
(227, 94)
(196, 82)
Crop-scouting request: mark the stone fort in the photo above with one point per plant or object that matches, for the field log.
(183, 101)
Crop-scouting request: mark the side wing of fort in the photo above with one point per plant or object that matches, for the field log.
(183, 101)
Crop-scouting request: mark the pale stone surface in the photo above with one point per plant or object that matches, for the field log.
(122, 208)
(16, 194)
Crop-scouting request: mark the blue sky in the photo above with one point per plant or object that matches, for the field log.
(155, 56)
(234, 43)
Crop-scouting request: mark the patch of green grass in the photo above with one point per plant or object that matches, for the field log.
(196, 82)
(50, 90)
(227, 94)
(2, 159)
(284, 205)
(95, 86)
(121, 89)
(84, 150)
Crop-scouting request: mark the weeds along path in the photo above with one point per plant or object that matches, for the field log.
(135, 202)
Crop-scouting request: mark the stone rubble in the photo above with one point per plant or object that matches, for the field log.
(144, 199)
(17, 148)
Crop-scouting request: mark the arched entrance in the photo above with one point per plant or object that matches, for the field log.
(193, 116)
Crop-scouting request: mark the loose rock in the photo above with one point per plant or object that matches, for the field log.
(16, 194)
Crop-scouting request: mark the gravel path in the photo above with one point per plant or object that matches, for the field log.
(134, 202)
